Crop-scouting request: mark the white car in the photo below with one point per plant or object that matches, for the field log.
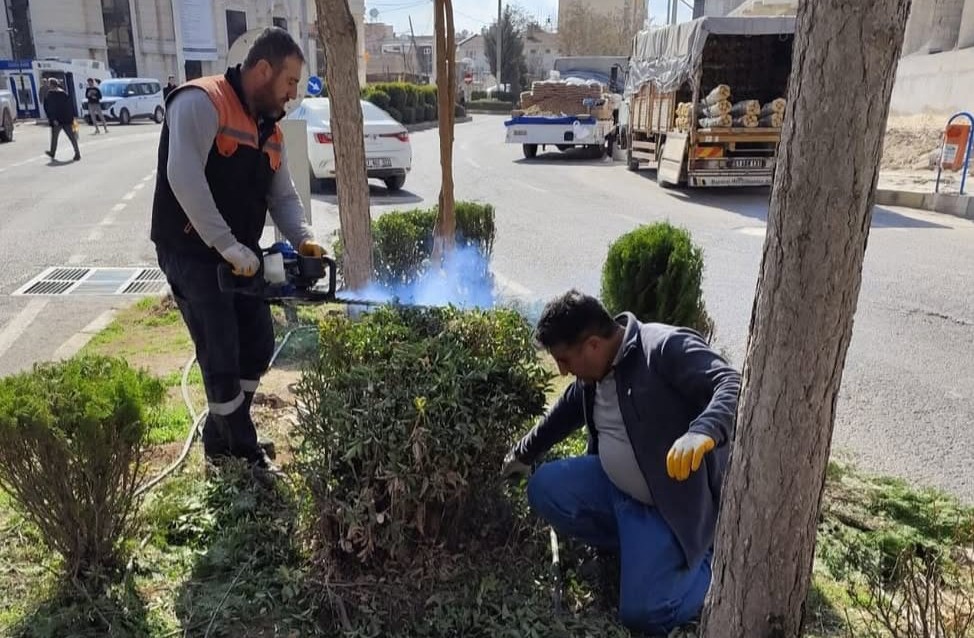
(127, 99)
(388, 153)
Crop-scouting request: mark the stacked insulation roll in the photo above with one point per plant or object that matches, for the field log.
(717, 109)
(683, 112)
(746, 121)
(721, 93)
(746, 107)
(723, 121)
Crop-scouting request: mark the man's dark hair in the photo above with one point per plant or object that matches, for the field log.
(274, 45)
(572, 318)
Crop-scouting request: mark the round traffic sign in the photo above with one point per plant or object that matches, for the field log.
(315, 85)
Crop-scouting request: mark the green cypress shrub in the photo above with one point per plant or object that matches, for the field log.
(656, 272)
(73, 435)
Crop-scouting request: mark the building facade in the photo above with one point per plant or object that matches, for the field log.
(140, 37)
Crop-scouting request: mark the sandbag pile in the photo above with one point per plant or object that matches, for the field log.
(716, 110)
(562, 98)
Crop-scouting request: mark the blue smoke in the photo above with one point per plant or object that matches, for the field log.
(464, 281)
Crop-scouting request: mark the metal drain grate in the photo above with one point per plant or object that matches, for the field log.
(63, 280)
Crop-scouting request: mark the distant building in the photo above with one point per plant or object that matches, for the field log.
(393, 57)
(632, 10)
(139, 37)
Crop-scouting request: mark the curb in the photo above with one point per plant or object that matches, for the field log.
(426, 126)
(946, 203)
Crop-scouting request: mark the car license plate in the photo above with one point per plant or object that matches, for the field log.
(378, 162)
(519, 132)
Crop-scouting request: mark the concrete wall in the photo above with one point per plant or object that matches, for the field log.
(936, 83)
(68, 30)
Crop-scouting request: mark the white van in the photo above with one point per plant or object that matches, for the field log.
(127, 99)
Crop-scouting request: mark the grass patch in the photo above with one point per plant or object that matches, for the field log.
(227, 557)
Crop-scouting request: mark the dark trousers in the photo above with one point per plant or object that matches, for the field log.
(56, 130)
(234, 339)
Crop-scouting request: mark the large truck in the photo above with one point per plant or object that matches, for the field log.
(675, 68)
(577, 107)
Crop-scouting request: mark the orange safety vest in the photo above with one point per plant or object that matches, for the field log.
(242, 162)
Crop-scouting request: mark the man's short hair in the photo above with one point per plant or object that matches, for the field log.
(53, 82)
(572, 318)
(274, 45)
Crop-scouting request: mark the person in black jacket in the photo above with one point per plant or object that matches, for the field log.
(60, 115)
(659, 407)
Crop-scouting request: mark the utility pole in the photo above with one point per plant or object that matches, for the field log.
(499, 44)
(419, 61)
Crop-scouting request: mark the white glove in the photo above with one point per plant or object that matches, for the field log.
(513, 466)
(243, 260)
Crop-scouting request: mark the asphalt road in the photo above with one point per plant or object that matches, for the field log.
(906, 407)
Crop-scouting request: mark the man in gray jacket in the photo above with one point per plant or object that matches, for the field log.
(659, 407)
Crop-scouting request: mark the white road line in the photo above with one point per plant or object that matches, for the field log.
(533, 187)
(20, 323)
(95, 235)
(138, 186)
(512, 286)
(108, 221)
(118, 208)
(128, 196)
(754, 231)
(78, 341)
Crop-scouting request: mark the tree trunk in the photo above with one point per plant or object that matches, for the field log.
(336, 29)
(446, 82)
(845, 59)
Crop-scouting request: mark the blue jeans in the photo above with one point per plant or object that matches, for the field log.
(657, 591)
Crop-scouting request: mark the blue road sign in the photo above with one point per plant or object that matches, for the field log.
(315, 85)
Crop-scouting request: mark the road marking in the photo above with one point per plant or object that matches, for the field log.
(138, 186)
(118, 208)
(78, 341)
(534, 188)
(129, 196)
(108, 221)
(95, 235)
(512, 286)
(20, 323)
(754, 231)
(472, 162)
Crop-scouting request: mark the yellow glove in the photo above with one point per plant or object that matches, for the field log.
(311, 248)
(686, 455)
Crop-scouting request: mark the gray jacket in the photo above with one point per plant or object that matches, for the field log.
(670, 382)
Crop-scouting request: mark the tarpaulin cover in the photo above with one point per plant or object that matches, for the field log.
(668, 56)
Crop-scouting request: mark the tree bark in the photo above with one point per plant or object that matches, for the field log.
(336, 29)
(446, 82)
(844, 62)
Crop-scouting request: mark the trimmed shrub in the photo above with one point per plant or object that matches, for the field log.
(497, 96)
(397, 94)
(428, 95)
(412, 95)
(380, 98)
(403, 240)
(490, 105)
(73, 437)
(459, 111)
(394, 113)
(430, 113)
(408, 115)
(424, 403)
(655, 272)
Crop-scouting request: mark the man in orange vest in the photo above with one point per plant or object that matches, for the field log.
(221, 168)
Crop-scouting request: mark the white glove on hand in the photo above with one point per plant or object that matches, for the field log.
(243, 260)
(513, 466)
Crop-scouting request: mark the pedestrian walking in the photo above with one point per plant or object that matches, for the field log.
(169, 88)
(60, 115)
(93, 95)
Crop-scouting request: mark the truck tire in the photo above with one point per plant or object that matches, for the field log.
(395, 183)
(8, 127)
(530, 151)
(564, 147)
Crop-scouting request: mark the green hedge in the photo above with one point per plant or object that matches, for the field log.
(397, 98)
(403, 240)
(656, 273)
(490, 105)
